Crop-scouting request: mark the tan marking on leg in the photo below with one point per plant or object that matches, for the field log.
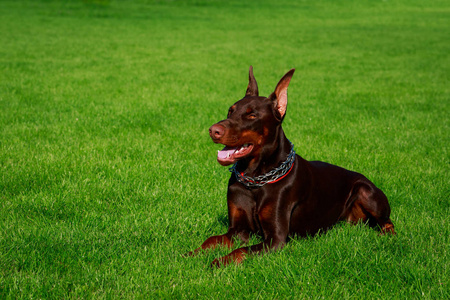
(388, 228)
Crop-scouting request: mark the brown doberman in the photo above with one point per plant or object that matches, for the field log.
(275, 193)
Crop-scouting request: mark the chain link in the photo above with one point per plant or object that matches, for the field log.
(271, 176)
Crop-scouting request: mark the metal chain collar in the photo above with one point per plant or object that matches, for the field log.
(270, 177)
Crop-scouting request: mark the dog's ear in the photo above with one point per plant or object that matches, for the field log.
(279, 96)
(252, 88)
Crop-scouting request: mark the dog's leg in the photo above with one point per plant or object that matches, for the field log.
(371, 204)
(275, 228)
(238, 255)
(239, 228)
(222, 240)
(214, 241)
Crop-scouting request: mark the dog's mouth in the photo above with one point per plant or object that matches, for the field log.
(230, 155)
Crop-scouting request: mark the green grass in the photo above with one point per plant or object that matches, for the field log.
(108, 174)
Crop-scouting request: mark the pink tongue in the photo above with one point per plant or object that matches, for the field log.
(222, 154)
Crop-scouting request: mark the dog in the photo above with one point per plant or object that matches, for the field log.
(275, 193)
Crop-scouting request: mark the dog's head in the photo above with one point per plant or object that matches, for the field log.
(252, 122)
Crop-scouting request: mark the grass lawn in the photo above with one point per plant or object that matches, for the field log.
(108, 175)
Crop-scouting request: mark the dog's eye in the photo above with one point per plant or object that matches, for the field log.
(251, 116)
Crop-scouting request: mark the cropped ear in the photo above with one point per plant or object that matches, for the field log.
(279, 96)
(252, 89)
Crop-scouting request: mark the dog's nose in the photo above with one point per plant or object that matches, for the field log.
(216, 131)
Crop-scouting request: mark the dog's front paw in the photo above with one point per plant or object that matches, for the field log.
(237, 256)
(215, 264)
(220, 262)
